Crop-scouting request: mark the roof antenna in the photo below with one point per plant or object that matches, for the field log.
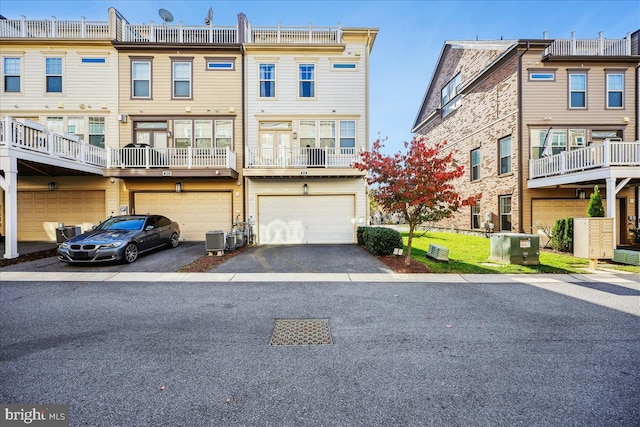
(165, 15)
(209, 19)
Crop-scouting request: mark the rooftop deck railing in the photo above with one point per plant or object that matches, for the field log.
(607, 154)
(590, 47)
(54, 29)
(295, 35)
(163, 33)
(34, 137)
(329, 157)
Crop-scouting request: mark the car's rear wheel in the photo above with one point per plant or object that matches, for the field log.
(174, 240)
(130, 253)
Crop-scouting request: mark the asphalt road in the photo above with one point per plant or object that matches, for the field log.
(414, 354)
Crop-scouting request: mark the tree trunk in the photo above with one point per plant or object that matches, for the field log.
(407, 258)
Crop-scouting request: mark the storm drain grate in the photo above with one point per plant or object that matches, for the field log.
(301, 332)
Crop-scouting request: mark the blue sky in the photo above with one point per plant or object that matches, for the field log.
(411, 36)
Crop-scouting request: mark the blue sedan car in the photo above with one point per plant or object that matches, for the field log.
(121, 238)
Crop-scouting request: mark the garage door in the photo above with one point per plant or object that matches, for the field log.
(39, 212)
(547, 211)
(306, 219)
(196, 213)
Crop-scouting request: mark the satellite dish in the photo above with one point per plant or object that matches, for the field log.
(165, 15)
(209, 19)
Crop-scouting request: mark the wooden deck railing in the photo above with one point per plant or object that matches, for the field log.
(148, 157)
(334, 157)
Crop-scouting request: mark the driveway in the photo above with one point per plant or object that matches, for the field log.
(159, 261)
(258, 259)
(303, 259)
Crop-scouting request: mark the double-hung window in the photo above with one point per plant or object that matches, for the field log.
(224, 134)
(11, 72)
(615, 90)
(577, 90)
(475, 216)
(53, 70)
(505, 213)
(347, 136)
(450, 96)
(267, 80)
(96, 131)
(505, 155)
(141, 79)
(307, 81)
(475, 164)
(181, 79)
(327, 133)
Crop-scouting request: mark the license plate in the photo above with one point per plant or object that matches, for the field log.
(81, 255)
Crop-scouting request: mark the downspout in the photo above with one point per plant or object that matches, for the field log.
(520, 152)
(243, 36)
(367, 211)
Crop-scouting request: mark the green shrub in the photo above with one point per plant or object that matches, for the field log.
(381, 240)
(595, 208)
(360, 235)
(562, 235)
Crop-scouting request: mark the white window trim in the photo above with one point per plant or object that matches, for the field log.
(20, 75)
(607, 91)
(174, 80)
(586, 90)
(61, 75)
(313, 81)
(133, 80)
(275, 80)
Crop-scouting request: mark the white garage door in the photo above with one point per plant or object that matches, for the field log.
(306, 219)
(196, 213)
(39, 212)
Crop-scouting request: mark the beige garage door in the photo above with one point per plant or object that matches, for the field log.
(547, 211)
(39, 212)
(196, 213)
(306, 219)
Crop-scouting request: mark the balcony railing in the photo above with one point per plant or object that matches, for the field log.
(301, 157)
(34, 137)
(190, 158)
(590, 47)
(181, 34)
(54, 29)
(295, 35)
(607, 154)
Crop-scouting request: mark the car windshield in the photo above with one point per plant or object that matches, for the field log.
(122, 224)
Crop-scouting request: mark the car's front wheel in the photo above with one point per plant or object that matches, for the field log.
(130, 253)
(174, 240)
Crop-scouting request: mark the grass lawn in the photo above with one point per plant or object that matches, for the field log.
(470, 254)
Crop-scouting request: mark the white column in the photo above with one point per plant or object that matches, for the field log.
(9, 184)
(611, 206)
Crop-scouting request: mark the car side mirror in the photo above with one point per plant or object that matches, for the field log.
(94, 227)
(149, 227)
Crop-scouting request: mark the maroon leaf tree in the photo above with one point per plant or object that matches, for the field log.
(417, 184)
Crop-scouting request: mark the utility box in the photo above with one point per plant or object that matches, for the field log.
(64, 233)
(515, 248)
(593, 238)
(214, 241)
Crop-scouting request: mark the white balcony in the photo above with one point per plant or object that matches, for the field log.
(142, 160)
(298, 158)
(295, 35)
(32, 141)
(179, 34)
(54, 29)
(599, 161)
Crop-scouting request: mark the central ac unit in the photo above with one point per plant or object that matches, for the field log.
(214, 241)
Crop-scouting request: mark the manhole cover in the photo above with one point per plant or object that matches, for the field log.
(301, 332)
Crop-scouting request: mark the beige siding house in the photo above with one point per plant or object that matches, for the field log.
(538, 123)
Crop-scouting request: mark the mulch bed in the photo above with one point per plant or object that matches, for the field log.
(209, 262)
(396, 263)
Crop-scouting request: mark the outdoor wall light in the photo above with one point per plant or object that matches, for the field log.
(52, 185)
(581, 194)
(295, 135)
(169, 134)
(305, 189)
(178, 187)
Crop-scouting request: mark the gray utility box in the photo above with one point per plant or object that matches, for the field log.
(214, 241)
(64, 233)
(515, 248)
